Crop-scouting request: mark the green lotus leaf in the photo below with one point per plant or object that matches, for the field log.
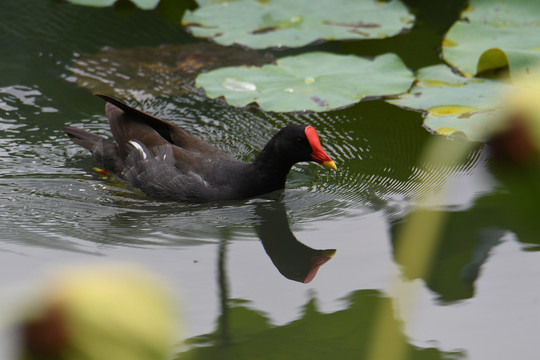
(455, 103)
(143, 4)
(315, 81)
(494, 34)
(277, 23)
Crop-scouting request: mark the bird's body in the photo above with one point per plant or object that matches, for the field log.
(166, 162)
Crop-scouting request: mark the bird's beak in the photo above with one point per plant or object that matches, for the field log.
(317, 260)
(318, 153)
(329, 164)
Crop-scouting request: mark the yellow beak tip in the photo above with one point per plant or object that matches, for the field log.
(329, 252)
(330, 164)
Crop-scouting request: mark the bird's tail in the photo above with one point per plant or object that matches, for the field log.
(82, 137)
(104, 150)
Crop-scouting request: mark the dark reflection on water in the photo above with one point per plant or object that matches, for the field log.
(293, 259)
(469, 236)
(246, 333)
(463, 247)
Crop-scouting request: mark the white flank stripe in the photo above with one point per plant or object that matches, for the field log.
(138, 146)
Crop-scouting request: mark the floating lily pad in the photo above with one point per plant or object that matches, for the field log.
(277, 23)
(313, 81)
(143, 4)
(455, 103)
(167, 70)
(494, 34)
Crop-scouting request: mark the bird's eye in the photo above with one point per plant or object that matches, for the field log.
(298, 140)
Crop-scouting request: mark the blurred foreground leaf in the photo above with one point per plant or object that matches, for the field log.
(100, 312)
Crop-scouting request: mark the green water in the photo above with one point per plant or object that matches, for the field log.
(480, 300)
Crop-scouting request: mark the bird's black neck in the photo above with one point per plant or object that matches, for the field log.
(269, 171)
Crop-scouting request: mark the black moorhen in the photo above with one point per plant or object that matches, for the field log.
(166, 162)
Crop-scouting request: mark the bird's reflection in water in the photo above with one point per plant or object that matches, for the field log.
(293, 259)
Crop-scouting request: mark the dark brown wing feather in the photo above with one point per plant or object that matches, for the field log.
(128, 124)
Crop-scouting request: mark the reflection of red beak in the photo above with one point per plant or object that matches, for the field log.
(317, 260)
(318, 153)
